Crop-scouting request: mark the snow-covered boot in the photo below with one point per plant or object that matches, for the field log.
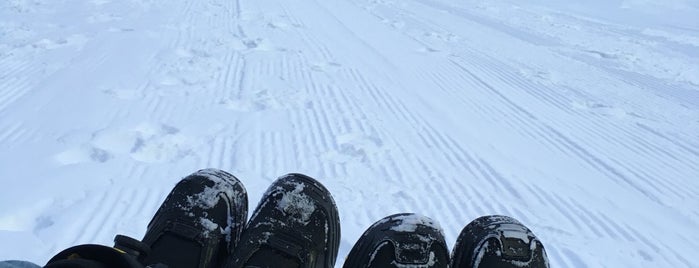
(400, 240)
(199, 223)
(498, 242)
(296, 224)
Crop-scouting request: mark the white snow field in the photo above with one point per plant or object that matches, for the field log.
(579, 118)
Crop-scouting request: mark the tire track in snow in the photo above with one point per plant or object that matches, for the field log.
(328, 104)
(228, 160)
(115, 204)
(319, 121)
(666, 184)
(155, 197)
(317, 48)
(556, 101)
(523, 121)
(318, 87)
(186, 18)
(419, 184)
(510, 116)
(154, 104)
(552, 201)
(647, 241)
(119, 209)
(382, 99)
(556, 258)
(591, 128)
(215, 157)
(300, 142)
(497, 72)
(428, 133)
(460, 90)
(327, 128)
(313, 142)
(303, 118)
(687, 96)
(588, 219)
(10, 133)
(456, 157)
(542, 94)
(348, 108)
(17, 83)
(136, 203)
(573, 258)
(504, 73)
(574, 147)
(105, 215)
(225, 78)
(694, 150)
(86, 224)
(266, 146)
(460, 159)
(616, 226)
(19, 135)
(457, 197)
(135, 172)
(334, 101)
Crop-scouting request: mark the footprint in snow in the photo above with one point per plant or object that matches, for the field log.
(326, 66)
(605, 110)
(102, 17)
(354, 147)
(148, 143)
(82, 154)
(264, 100)
(123, 94)
(186, 67)
(77, 41)
(258, 44)
(242, 105)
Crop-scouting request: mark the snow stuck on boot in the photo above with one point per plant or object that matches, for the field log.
(297, 205)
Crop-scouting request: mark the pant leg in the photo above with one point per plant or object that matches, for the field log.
(18, 264)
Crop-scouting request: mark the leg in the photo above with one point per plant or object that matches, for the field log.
(18, 264)
(498, 242)
(401, 240)
(296, 224)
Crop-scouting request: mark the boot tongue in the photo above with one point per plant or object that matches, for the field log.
(269, 257)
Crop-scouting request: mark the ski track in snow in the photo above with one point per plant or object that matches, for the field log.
(449, 110)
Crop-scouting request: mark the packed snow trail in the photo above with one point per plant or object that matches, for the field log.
(578, 120)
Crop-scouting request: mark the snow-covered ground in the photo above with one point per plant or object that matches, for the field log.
(580, 118)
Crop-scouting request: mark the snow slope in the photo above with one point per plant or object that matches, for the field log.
(579, 118)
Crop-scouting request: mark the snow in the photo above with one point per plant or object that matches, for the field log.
(210, 196)
(409, 223)
(515, 231)
(578, 118)
(297, 205)
(481, 253)
(209, 226)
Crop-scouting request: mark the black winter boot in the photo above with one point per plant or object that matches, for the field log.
(296, 224)
(498, 242)
(199, 223)
(400, 240)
